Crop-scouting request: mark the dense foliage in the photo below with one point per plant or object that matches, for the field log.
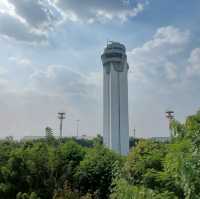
(84, 169)
(163, 170)
(55, 169)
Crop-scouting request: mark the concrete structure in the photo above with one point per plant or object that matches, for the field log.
(160, 139)
(115, 98)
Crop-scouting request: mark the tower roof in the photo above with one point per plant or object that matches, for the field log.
(115, 45)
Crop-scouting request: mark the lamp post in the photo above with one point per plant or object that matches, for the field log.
(170, 116)
(77, 128)
(61, 117)
(134, 133)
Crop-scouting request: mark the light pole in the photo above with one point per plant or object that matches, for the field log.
(61, 117)
(134, 133)
(77, 128)
(170, 116)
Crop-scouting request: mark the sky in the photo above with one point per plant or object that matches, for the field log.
(50, 62)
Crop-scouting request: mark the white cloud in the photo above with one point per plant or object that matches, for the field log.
(193, 67)
(169, 35)
(32, 20)
(12, 27)
(62, 80)
(20, 60)
(159, 80)
(95, 10)
(5, 6)
(29, 21)
(38, 14)
(24, 61)
(155, 59)
(48, 91)
(171, 71)
(3, 70)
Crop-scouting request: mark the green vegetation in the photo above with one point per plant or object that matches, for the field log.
(84, 169)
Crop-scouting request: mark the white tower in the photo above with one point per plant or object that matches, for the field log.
(115, 98)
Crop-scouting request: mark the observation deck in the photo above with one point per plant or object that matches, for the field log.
(114, 53)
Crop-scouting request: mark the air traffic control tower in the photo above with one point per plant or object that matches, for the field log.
(115, 98)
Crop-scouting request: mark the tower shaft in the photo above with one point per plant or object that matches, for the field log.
(115, 99)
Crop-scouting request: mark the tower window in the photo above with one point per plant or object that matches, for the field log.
(111, 55)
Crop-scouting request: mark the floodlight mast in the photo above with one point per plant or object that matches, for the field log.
(170, 116)
(134, 133)
(61, 117)
(77, 128)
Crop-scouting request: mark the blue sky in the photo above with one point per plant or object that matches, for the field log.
(50, 62)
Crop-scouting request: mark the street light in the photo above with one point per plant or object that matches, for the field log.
(134, 133)
(77, 128)
(170, 116)
(61, 117)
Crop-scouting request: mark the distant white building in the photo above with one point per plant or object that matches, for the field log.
(160, 139)
(30, 138)
(85, 137)
(115, 98)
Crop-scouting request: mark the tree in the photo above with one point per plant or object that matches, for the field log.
(182, 161)
(133, 142)
(178, 130)
(95, 172)
(124, 190)
(69, 156)
(66, 193)
(98, 140)
(21, 195)
(144, 161)
(143, 174)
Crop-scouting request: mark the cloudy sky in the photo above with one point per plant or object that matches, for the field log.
(50, 62)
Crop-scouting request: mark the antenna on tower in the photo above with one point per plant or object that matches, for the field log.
(61, 117)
